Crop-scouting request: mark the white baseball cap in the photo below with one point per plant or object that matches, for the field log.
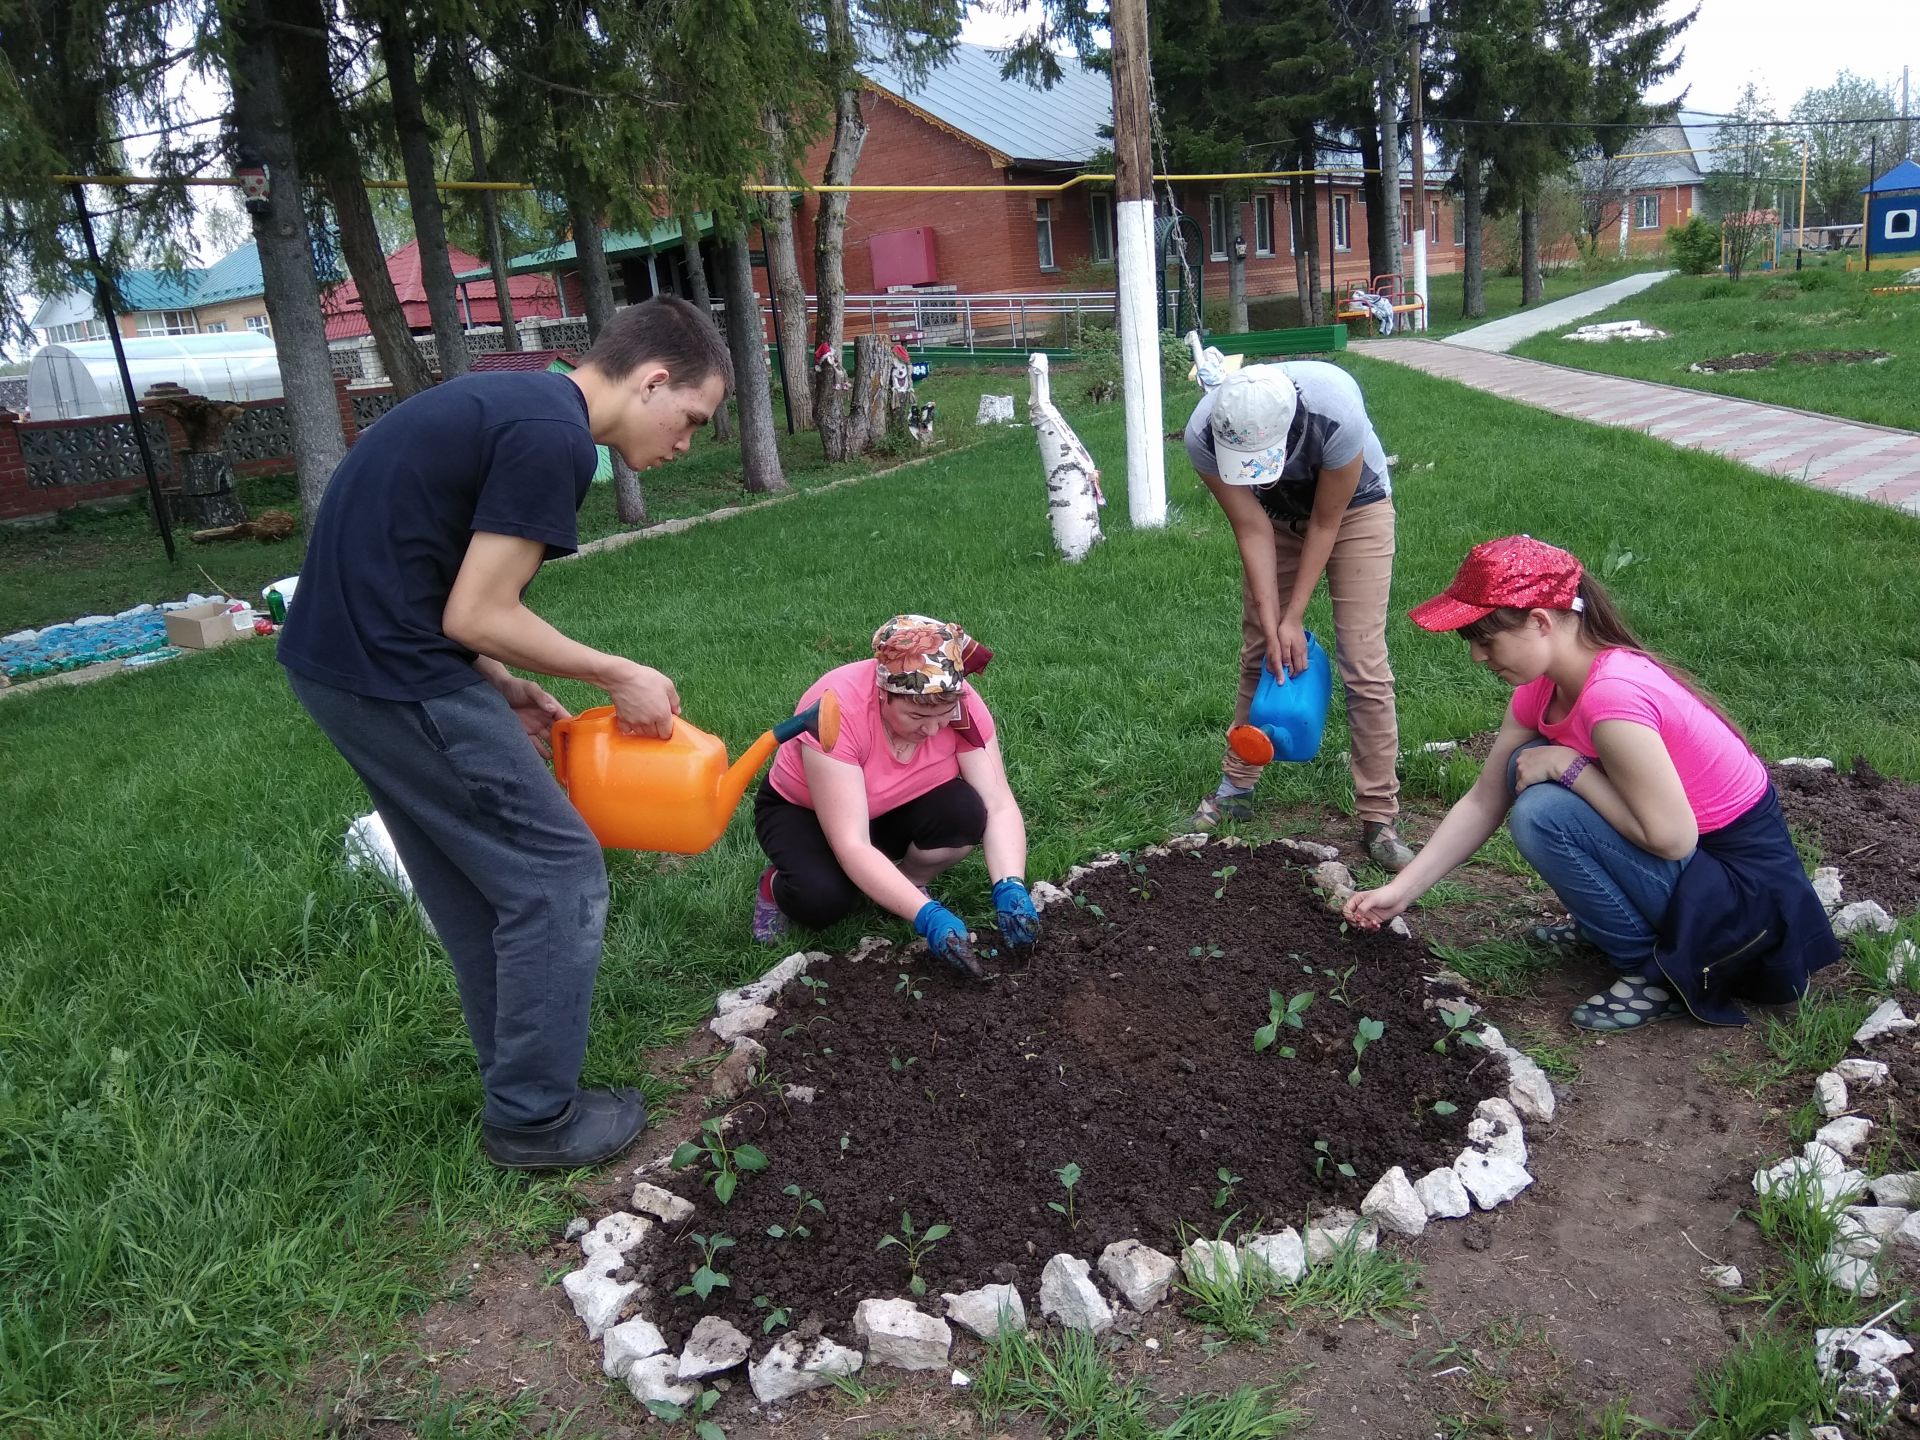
(1253, 412)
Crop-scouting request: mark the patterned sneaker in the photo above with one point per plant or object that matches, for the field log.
(1218, 810)
(769, 921)
(1385, 847)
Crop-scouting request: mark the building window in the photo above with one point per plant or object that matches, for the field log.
(1263, 224)
(165, 322)
(1433, 220)
(1459, 227)
(1216, 227)
(260, 325)
(1901, 224)
(1406, 227)
(214, 327)
(1043, 227)
(1100, 208)
(1646, 212)
(1342, 222)
(1293, 222)
(79, 330)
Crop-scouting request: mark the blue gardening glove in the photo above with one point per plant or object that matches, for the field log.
(946, 936)
(1019, 921)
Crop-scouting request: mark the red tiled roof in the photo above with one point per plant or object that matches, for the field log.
(532, 295)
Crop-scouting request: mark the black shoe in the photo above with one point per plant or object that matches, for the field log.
(594, 1128)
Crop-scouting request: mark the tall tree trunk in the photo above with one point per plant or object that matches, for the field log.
(759, 452)
(1386, 96)
(326, 148)
(1383, 223)
(1310, 242)
(789, 295)
(429, 225)
(590, 250)
(1236, 271)
(262, 130)
(1533, 287)
(1299, 197)
(489, 205)
(1473, 289)
(629, 499)
(829, 237)
(703, 300)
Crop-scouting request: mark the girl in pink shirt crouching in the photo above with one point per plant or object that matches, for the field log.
(914, 783)
(1632, 794)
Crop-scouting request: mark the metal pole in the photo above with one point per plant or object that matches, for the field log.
(1866, 206)
(1333, 293)
(103, 297)
(1420, 18)
(779, 345)
(1800, 252)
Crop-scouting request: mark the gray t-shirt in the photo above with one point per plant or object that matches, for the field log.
(1331, 428)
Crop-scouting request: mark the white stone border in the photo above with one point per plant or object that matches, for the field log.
(1489, 1172)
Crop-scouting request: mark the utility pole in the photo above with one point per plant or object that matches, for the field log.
(1135, 288)
(1422, 16)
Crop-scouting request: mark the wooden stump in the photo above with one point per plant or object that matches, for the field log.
(205, 496)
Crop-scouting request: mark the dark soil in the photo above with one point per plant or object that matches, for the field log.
(1745, 360)
(1115, 1046)
(1866, 825)
(1836, 357)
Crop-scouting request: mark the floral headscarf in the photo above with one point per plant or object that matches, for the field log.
(918, 655)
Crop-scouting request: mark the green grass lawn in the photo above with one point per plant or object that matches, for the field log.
(236, 1101)
(1819, 308)
(86, 561)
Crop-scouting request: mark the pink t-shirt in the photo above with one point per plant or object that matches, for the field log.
(890, 783)
(1721, 776)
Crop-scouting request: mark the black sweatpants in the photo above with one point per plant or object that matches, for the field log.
(808, 883)
(509, 873)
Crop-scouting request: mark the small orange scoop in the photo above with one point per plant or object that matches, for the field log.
(673, 795)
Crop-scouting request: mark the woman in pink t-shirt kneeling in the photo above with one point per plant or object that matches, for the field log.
(913, 784)
(1630, 792)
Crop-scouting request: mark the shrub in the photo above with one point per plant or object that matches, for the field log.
(1694, 246)
(1816, 279)
(1100, 363)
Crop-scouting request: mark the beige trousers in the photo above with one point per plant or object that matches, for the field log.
(1359, 575)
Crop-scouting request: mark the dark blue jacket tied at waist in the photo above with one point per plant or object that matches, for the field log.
(1744, 923)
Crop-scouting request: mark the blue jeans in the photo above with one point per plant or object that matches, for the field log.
(1616, 892)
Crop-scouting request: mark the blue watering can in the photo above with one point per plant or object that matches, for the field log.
(1287, 720)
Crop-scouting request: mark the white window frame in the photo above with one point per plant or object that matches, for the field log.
(1406, 227)
(165, 322)
(1100, 227)
(1043, 234)
(260, 325)
(214, 327)
(1216, 226)
(1642, 206)
(1912, 217)
(1433, 221)
(1342, 223)
(1459, 228)
(76, 331)
(1263, 219)
(1293, 222)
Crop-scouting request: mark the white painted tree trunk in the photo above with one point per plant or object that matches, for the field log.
(1140, 366)
(1073, 483)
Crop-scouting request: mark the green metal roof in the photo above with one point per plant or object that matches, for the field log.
(620, 244)
(232, 277)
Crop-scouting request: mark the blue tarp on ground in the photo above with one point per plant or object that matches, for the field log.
(59, 648)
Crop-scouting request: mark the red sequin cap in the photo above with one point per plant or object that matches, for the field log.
(1516, 571)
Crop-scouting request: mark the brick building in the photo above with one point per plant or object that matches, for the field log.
(226, 295)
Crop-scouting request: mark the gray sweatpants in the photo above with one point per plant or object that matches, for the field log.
(514, 881)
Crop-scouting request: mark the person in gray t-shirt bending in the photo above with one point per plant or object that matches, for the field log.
(1291, 456)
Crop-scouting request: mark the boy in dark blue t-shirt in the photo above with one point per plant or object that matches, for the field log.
(409, 612)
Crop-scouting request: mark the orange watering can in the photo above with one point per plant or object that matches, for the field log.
(675, 795)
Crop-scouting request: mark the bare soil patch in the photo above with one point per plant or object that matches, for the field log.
(1866, 824)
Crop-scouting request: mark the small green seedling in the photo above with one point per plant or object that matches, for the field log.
(816, 987)
(1367, 1032)
(1088, 906)
(1323, 1156)
(1282, 1012)
(707, 1278)
(897, 1065)
(803, 1201)
(693, 1413)
(1338, 989)
(1444, 1107)
(915, 1244)
(726, 1163)
(909, 985)
(1209, 951)
(777, 1316)
(1457, 1018)
(1223, 1197)
(1224, 874)
(1069, 1176)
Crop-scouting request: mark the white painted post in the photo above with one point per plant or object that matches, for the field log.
(1421, 16)
(1133, 224)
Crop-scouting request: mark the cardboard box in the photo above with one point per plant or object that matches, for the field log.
(201, 627)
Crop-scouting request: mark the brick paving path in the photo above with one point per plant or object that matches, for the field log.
(1848, 457)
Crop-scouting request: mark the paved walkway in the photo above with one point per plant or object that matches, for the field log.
(1502, 335)
(1849, 457)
